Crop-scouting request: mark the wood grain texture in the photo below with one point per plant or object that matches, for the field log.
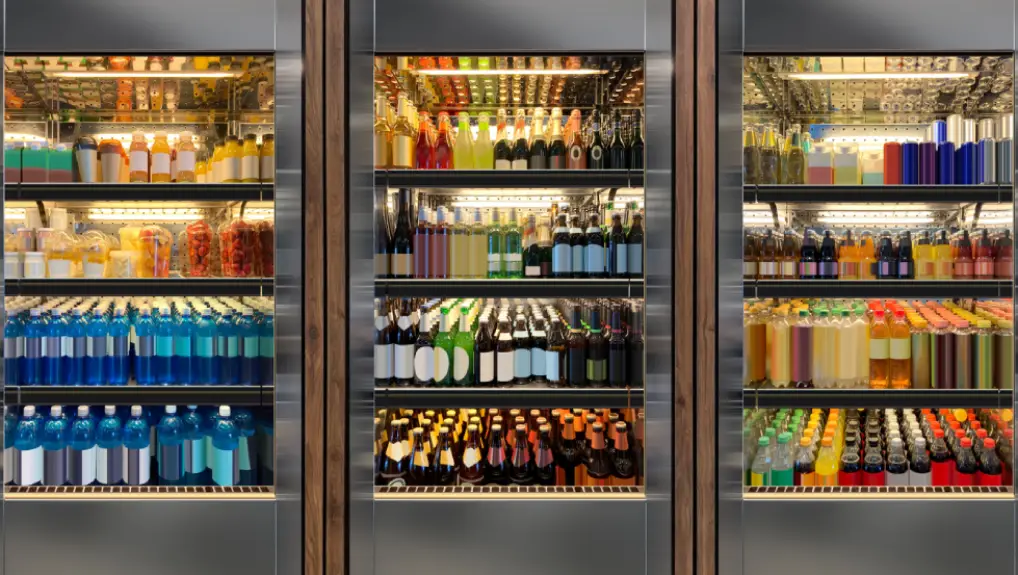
(336, 287)
(684, 274)
(314, 259)
(706, 287)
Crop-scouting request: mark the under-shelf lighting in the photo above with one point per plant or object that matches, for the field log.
(512, 72)
(144, 215)
(877, 75)
(506, 204)
(14, 214)
(864, 219)
(144, 74)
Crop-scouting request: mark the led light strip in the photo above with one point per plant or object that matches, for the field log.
(144, 215)
(876, 75)
(133, 74)
(511, 72)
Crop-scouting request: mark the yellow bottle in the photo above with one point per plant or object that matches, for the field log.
(186, 159)
(232, 154)
(249, 159)
(943, 261)
(138, 160)
(161, 158)
(217, 162)
(459, 246)
(826, 472)
(463, 151)
(201, 168)
(880, 351)
(925, 262)
(268, 155)
(867, 257)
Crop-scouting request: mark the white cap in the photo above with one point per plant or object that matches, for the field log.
(56, 411)
(110, 410)
(29, 411)
(35, 311)
(164, 310)
(896, 442)
(82, 411)
(192, 407)
(224, 411)
(135, 411)
(920, 442)
(171, 409)
(76, 311)
(138, 136)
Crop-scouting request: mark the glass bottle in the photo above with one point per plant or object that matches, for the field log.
(596, 154)
(539, 153)
(557, 152)
(795, 172)
(561, 257)
(577, 344)
(478, 250)
(401, 263)
(459, 246)
(484, 356)
(484, 153)
(635, 348)
(443, 351)
(545, 470)
(497, 470)
(569, 455)
(463, 352)
(544, 244)
(531, 249)
(598, 465)
(473, 466)
(513, 253)
(424, 351)
(421, 243)
(521, 149)
(538, 351)
(521, 352)
(887, 262)
(402, 137)
(634, 248)
(769, 157)
(383, 238)
(504, 354)
(404, 351)
(576, 158)
(617, 149)
(618, 252)
(496, 239)
(383, 134)
(597, 352)
(503, 154)
(578, 244)
(594, 252)
(419, 467)
(444, 467)
(521, 467)
(556, 359)
(617, 353)
(385, 341)
(444, 159)
(750, 157)
(424, 153)
(636, 145)
(464, 147)
(438, 246)
(393, 468)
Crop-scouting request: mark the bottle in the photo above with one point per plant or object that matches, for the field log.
(216, 173)
(54, 444)
(402, 136)
(424, 351)
(14, 347)
(634, 248)
(418, 464)
(578, 243)
(248, 338)
(880, 351)
(10, 428)
(618, 252)
(769, 157)
(402, 252)
(424, 150)
(782, 468)
(538, 353)
(463, 352)
(228, 347)
(539, 154)
(760, 472)
(464, 146)
(826, 464)
(617, 152)
(900, 348)
(964, 266)
(496, 241)
(473, 468)
(119, 346)
(137, 444)
(193, 441)
(225, 446)
(96, 346)
(561, 255)
(165, 329)
(557, 152)
(804, 463)
(478, 250)
(1003, 266)
(28, 468)
(873, 472)
(521, 462)
(991, 471)
(618, 372)
(503, 154)
(249, 159)
(925, 262)
(897, 464)
(444, 352)
(597, 352)
(521, 352)
(205, 337)
(383, 134)
(796, 163)
(230, 164)
(850, 471)
(942, 467)
(110, 449)
(828, 263)
(144, 357)
(635, 161)
(74, 348)
(383, 237)
(513, 253)
(556, 358)
(392, 470)
(497, 468)
(965, 465)
(247, 452)
(36, 333)
(596, 159)
(139, 160)
(520, 149)
(594, 252)
(919, 468)
(598, 464)
(505, 356)
(184, 364)
(943, 258)
(185, 158)
(577, 345)
(576, 153)
(531, 248)
(545, 469)
(444, 468)
(81, 453)
(53, 364)
(170, 433)
(404, 347)
(439, 251)
(484, 153)
(484, 354)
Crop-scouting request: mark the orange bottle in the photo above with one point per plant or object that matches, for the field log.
(880, 351)
(867, 257)
(161, 169)
(186, 159)
(138, 157)
(848, 258)
(900, 352)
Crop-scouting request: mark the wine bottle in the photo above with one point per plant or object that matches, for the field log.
(424, 352)
(521, 151)
(634, 248)
(577, 344)
(617, 149)
(503, 151)
(557, 152)
(596, 152)
(618, 252)
(383, 237)
(402, 262)
(463, 352)
(539, 149)
(385, 341)
(636, 144)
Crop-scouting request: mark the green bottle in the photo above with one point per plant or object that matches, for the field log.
(463, 354)
(443, 351)
(495, 241)
(513, 254)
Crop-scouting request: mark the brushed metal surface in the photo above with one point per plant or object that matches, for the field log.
(509, 537)
(809, 27)
(144, 26)
(128, 537)
(849, 537)
(453, 26)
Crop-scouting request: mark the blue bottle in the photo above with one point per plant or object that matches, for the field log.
(248, 337)
(14, 348)
(118, 365)
(209, 418)
(35, 342)
(74, 354)
(81, 452)
(165, 329)
(183, 349)
(10, 426)
(144, 359)
(52, 349)
(225, 444)
(195, 469)
(97, 333)
(246, 450)
(228, 348)
(109, 439)
(205, 350)
(28, 456)
(171, 448)
(266, 350)
(54, 445)
(137, 442)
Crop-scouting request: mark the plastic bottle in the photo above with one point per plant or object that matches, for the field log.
(964, 265)
(144, 360)
(194, 459)
(230, 165)
(897, 464)
(965, 465)
(165, 329)
(35, 348)
(10, 427)
(247, 451)
(53, 362)
(110, 449)
(227, 347)
(161, 152)
(880, 351)
(943, 257)
(942, 467)
(850, 470)
(74, 348)
(137, 442)
(96, 348)
(900, 348)
(919, 468)
(873, 463)
(186, 159)
(139, 157)
(760, 473)
(266, 350)
(267, 173)
(782, 470)
(248, 339)
(249, 159)
(826, 463)
(81, 454)
(205, 336)
(847, 349)
(780, 338)
(183, 349)
(991, 471)
(29, 452)
(225, 443)
(14, 348)
(804, 464)
(119, 357)
(215, 173)
(170, 434)
(54, 445)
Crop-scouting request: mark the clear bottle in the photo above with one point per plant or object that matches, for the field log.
(111, 466)
(28, 449)
(782, 469)
(139, 157)
(225, 443)
(826, 463)
(193, 436)
(383, 134)
(184, 370)
(227, 348)
(900, 348)
(170, 433)
(464, 147)
(267, 154)
(119, 350)
(780, 349)
(402, 137)
(459, 245)
(81, 443)
(161, 153)
(496, 241)
(216, 173)
(137, 443)
(484, 152)
(769, 157)
(513, 252)
(760, 472)
(897, 464)
(186, 158)
(444, 152)
(478, 247)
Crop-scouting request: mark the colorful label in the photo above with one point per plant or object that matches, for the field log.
(403, 361)
(402, 264)
(768, 269)
(597, 369)
(120, 347)
(594, 262)
(821, 480)
(635, 259)
(505, 366)
(808, 269)
(268, 171)
(171, 462)
(225, 467)
(758, 479)
(486, 367)
(267, 346)
(880, 348)
(164, 346)
(828, 269)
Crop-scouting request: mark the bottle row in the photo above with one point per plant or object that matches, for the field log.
(952, 152)
(413, 141)
(563, 447)
(237, 248)
(137, 446)
(70, 341)
(925, 255)
(849, 447)
(892, 344)
(165, 160)
(478, 244)
(488, 343)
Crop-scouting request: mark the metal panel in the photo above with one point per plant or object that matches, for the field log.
(508, 537)
(877, 536)
(145, 26)
(810, 27)
(128, 536)
(523, 26)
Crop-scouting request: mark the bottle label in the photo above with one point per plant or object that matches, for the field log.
(821, 480)
(120, 347)
(503, 165)
(442, 364)
(486, 366)
(596, 153)
(880, 348)
(139, 465)
(164, 346)
(171, 462)
(139, 162)
(51, 347)
(250, 344)
(34, 348)
(828, 270)
(532, 271)
(54, 470)
(561, 259)
(110, 465)
(495, 263)
(29, 466)
(597, 370)
(424, 364)
(267, 346)
(226, 467)
(783, 477)
(460, 364)
(14, 347)
(901, 348)
(768, 269)
(402, 265)
(551, 362)
(758, 479)
(621, 259)
(182, 346)
(66, 346)
(185, 161)
(268, 170)
(95, 346)
(231, 169)
(194, 455)
(505, 366)
(789, 269)
(146, 346)
(513, 263)
(161, 164)
(384, 361)
(403, 362)
(808, 269)
(538, 362)
(381, 265)
(577, 259)
(249, 168)
(232, 346)
(538, 162)
(521, 366)
(471, 456)
(557, 162)
(204, 346)
(519, 164)
(635, 259)
(594, 262)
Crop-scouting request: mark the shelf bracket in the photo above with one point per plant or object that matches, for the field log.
(42, 214)
(774, 214)
(975, 216)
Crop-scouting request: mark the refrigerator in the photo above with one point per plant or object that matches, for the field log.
(116, 210)
(847, 131)
(418, 90)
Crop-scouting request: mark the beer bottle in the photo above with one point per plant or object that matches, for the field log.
(521, 470)
(545, 470)
(419, 470)
(623, 460)
(443, 467)
(497, 471)
(599, 468)
(472, 469)
(569, 455)
(393, 468)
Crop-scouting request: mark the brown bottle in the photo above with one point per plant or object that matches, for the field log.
(545, 470)
(623, 459)
(521, 470)
(393, 467)
(598, 466)
(472, 463)
(497, 470)
(444, 466)
(569, 456)
(419, 471)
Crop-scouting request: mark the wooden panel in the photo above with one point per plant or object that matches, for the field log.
(314, 260)
(684, 258)
(706, 287)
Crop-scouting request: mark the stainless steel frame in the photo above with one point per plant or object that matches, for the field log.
(877, 535)
(260, 537)
(632, 536)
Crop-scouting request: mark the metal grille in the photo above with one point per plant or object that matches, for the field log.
(42, 491)
(880, 490)
(509, 490)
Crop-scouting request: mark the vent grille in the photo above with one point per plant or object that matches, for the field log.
(880, 490)
(149, 491)
(508, 490)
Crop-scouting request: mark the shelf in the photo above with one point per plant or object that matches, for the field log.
(140, 395)
(137, 492)
(878, 288)
(529, 397)
(141, 287)
(773, 398)
(502, 491)
(542, 287)
(509, 178)
(877, 194)
(139, 192)
(879, 492)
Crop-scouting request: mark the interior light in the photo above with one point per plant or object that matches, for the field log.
(144, 215)
(14, 214)
(762, 220)
(144, 74)
(504, 204)
(875, 220)
(996, 220)
(512, 72)
(876, 75)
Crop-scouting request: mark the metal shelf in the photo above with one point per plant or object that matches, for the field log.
(500, 491)
(538, 287)
(877, 194)
(531, 397)
(878, 288)
(887, 491)
(509, 178)
(77, 191)
(139, 395)
(877, 398)
(137, 491)
(140, 287)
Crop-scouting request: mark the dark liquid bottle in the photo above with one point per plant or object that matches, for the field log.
(850, 471)
(617, 149)
(577, 344)
(545, 470)
(594, 253)
(539, 150)
(873, 463)
(504, 356)
(521, 150)
(405, 347)
(623, 458)
(596, 152)
(597, 353)
(385, 344)
(906, 263)
(618, 252)
(443, 467)
(634, 246)
(522, 345)
(617, 356)
(569, 454)
(599, 467)
(809, 258)
(578, 243)
(421, 239)
(393, 468)
(557, 152)
(472, 463)
(539, 352)
(636, 145)
(497, 471)
(887, 261)
(521, 470)
(635, 350)
(383, 237)
(965, 465)
(402, 262)
(828, 268)
(991, 472)
(419, 469)
(556, 358)
(561, 251)
(484, 356)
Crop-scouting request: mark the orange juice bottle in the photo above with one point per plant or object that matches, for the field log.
(900, 352)
(867, 257)
(138, 157)
(217, 163)
(201, 167)
(943, 257)
(186, 159)
(848, 258)
(249, 159)
(160, 158)
(232, 154)
(268, 156)
(880, 351)
(925, 261)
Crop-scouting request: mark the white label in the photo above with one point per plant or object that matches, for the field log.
(521, 368)
(595, 259)
(879, 348)
(268, 171)
(538, 361)
(403, 322)
(621, 255)
(185, 161)
(495, 263)
(441, 364)
(161, 164)
(87, 464)
(532, 271)
(461, 363)
(519, 164)
(404, 361)
(8, 465)
(634, 261)
(901, 348)
(102, 465)
(31, 466)
(139, 162)
(394, 451)
(505, 366)
(249, 168)
(749, 269)
(551, 365)
(424, 363)
(67, 346)
(144, 468)
(919, 479)
(503, 165)
(487, 366)
(578, 257)
(231, 169)
(471, 456)
(383, 361)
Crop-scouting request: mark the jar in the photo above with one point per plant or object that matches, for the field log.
(198, 250)
(238, 241)
(111, 161)
(123, 264)
(268, 155)
(129, 238)
(62, 252)
(25, 239)
(156, 251)
(249, 163)
(12, 265)
(35, 265)
(95, 249)
(266, 247)
(232, 154)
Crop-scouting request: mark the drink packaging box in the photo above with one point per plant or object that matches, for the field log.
(86, 160)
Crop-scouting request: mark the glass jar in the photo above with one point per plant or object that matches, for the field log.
(267, 245)
(156, 251)
(123, 264)
(197, 250)
(238, 241)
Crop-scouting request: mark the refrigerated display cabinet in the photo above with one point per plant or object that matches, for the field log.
(148, 161)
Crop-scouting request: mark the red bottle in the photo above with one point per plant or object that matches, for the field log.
(965, 465)
(984, 266)
(443, 145)
(892, 163)
(850, 470)
(964, 267)
(424, 156)
(940, 459)
(991, 471)
(1004, 259)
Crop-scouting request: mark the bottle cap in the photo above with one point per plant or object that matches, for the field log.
(135, 411)
(138, 136)
(762, 442)
(56, 411)
(82, 411)
(29, 411)
(171, 409)
(966, 442)
(224, 411)
(110, 410)
(989, 443)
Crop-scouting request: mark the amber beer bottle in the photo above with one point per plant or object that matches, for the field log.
(569, 455)
(599, 467)
(443, 467)
(521, 470)
(472, 468)
(545, 470)
(419, 469)
(497, 471)
(393, 468)
(623, 460)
